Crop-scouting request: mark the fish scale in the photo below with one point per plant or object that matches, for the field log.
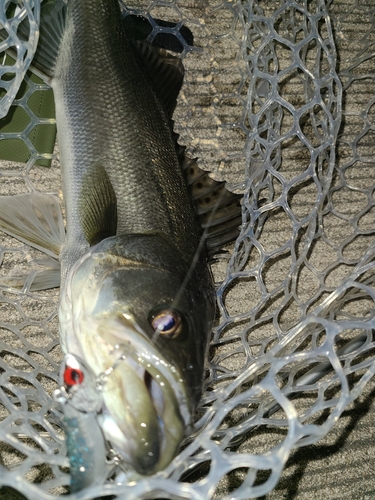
(136, 292)
(133, 142)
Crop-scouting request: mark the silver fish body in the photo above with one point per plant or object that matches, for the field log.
(137, 295)
(109, 118)
(119, 158)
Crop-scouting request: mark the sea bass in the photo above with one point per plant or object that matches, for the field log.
(137, 295)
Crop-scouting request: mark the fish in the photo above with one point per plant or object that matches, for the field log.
(137, 297)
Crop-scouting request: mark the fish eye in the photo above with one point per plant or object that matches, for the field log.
(167, 323)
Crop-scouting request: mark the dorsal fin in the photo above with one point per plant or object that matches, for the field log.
(219, 210)
(51, 29)
(139, 28)
(165, 72)
(97, 206)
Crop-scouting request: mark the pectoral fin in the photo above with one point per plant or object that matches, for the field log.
(97, 206)
(34, 219)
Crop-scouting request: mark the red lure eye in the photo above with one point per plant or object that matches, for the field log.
(73, 376)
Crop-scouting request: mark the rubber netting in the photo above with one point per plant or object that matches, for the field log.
(279, 102)
(12, 73)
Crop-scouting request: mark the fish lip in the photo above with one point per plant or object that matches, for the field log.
(133, 357)
(138, 358)
(137, 346)
(170, 414)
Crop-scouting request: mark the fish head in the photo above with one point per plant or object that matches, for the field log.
(141, 327)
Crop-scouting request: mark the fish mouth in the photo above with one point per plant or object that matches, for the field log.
(145, 412)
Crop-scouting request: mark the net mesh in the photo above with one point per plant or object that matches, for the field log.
(12, 14)
(279, 102)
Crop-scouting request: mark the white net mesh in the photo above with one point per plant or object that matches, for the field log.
(279, 101)
(11, 16)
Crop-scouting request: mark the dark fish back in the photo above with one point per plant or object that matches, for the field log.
(117, 122)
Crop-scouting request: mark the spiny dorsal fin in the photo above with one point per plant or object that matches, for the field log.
(165, 72)
(218, 209)
(52, 26)
(97, 206)
(139, 28)
(51, 29)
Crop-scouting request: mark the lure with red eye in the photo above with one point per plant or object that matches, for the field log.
(85, 442)
(73, 374)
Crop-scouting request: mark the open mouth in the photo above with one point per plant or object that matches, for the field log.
(145, 411)
(155, 392)
(134, 425)
(159, 375)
